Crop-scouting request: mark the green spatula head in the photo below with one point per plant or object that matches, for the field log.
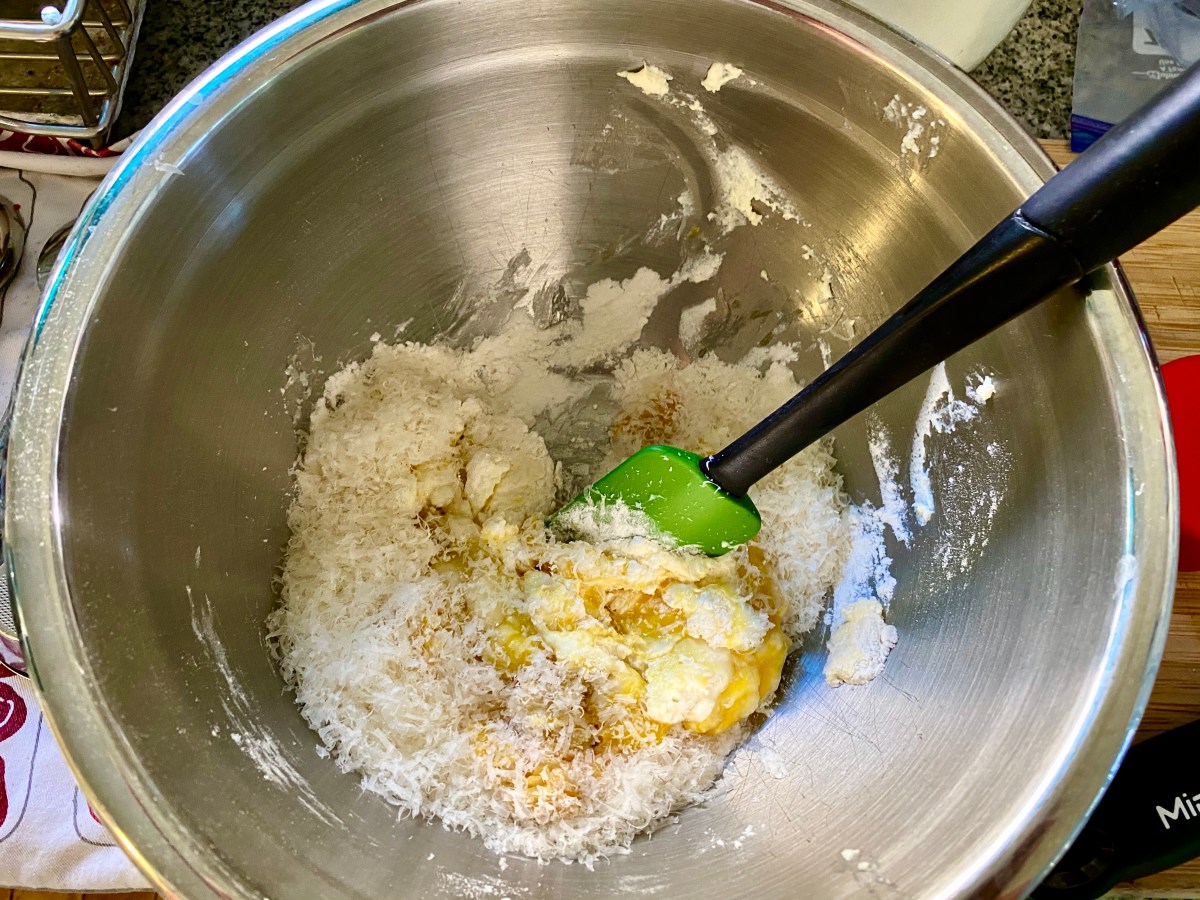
(671, 499)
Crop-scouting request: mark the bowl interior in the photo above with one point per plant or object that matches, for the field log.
(398, 157)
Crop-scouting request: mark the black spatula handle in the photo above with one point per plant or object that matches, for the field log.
(1147, 821)
(1133, 182)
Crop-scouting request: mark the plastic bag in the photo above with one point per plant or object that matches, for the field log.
(1119, 64)
(1175, 24)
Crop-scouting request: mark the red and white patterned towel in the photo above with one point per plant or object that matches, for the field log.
(51, 146)
(49, 837)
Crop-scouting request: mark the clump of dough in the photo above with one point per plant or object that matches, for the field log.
(859, 645)
(719, 74)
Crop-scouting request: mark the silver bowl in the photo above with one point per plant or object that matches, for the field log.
(343, 173)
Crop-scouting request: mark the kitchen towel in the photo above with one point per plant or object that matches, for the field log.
(49, 837)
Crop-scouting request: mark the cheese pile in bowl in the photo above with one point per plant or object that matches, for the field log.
(555, 698)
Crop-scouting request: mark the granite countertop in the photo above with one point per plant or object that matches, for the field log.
(1030, 73)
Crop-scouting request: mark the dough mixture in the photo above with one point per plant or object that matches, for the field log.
(555, 698)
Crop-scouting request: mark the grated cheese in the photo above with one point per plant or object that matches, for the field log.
(447, 649)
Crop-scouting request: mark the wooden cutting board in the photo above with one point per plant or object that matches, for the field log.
(1165, 275)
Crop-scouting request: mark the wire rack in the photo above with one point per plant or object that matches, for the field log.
(63, 65)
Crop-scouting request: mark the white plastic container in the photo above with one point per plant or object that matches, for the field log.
(964, 31)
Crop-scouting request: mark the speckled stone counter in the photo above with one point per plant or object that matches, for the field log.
(1030, 73)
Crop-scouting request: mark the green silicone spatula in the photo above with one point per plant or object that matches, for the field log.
(1133, 182)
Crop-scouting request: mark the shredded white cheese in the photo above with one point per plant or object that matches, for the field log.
(423, 602)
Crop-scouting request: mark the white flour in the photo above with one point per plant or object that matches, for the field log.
(982, 392)
(691, 322)
(614, 313)
(774, 354)
(894, 510)
(602, 522)
(868, 571)
(245, 727)
(826, 352)
(821, 311)
(918, 474)
(480, 887)
(918, 124)
(744, 190)
(671, 225)
(970, 490)
(743, 186)
(760, 753)
(942, 412)
(533, 362)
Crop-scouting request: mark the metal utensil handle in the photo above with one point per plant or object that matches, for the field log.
(1131, 183)
(1147, 821)
(24, 30)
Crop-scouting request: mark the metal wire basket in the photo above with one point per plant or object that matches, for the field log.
(63, 66)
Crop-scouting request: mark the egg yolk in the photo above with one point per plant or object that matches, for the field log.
(663, 640)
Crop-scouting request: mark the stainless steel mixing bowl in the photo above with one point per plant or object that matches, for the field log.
(362, 165)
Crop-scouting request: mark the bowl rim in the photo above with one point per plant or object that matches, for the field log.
(104, 763)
